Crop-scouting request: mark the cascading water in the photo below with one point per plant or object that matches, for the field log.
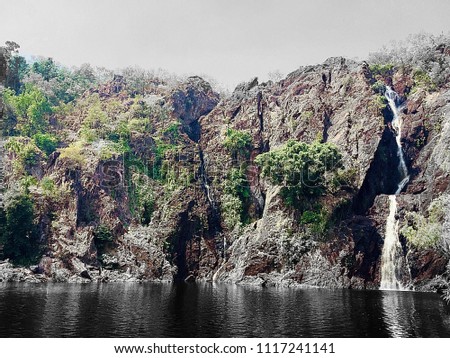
(204, 180)
(392, 250)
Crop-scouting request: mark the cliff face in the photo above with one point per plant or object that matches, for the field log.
(160, 208)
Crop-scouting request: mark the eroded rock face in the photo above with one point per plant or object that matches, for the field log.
(333, 102)
(187, 237)
(192, 100)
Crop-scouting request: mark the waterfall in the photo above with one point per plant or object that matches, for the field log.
(204, 180)
(392, 250)
(397, 123)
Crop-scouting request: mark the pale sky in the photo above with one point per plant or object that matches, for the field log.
(230, 40)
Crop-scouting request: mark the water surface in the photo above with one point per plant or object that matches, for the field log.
(215, 310)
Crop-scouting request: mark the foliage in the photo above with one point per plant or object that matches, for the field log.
(423, 79)
(306, 115)
(237, 142)
(74, 153)
(96, 117)
(102, 237)
(110, 149)
(141, 196)
(31, 108)
(18, 68)
(172, 131)
(235, 199)
(48, 184)
(425, 52)
(345, 178)
(46, 142)
(231, 210)
(142, 115)
(60, 84)
(26, 182)
(26, 151)
(236, 184)
(425, 232)
(420, 232)
(29, 154)
(46, 68)
(379, 87)
(160, 150)
(140, 125)
(20, 234)
(300, 168)
(317, 220)
(53, 192)
(380, 102)
(381, 69)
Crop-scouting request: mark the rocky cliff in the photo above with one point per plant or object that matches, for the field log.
(138, 187)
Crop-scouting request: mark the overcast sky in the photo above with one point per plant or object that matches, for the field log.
(230, 40)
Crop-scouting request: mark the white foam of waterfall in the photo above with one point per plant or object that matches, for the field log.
(391, 250)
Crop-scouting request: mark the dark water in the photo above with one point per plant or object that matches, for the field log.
(207, 310)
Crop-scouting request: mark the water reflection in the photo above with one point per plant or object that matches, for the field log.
(398, 313)
(215, 310)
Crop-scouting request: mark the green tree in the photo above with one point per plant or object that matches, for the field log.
(20, 235)
(47, 68)
(18, 68)
(31, 108)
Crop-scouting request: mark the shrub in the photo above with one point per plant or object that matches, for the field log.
(74, 153)
(26, 151)
(236, 184)
(345, 178)
(160, 150)
(300, 168)
(234, 201)
(237, 142)
(102, 237)
(45, 142)
(29, 155)
(318, 220)
(96, 117)
(380, 102)
(306, 115)
(111, 149)
(48, 185)
(422, 79)
(379, 87)
(425, 232)
(141, 197)
(140, 125)
(172, 131)
(88, 135)
(381, 69)
(231, 210)
(420, 232)
(20, 234)
(420, 51)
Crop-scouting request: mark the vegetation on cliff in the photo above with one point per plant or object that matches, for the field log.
(156, 177)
